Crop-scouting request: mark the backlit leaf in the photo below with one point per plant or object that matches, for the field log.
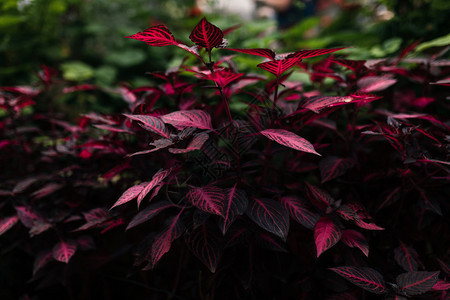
(206, 35)
(302, 54)
(289, 139)
(157, 36)
(64, 250)
(326, 234)
(366, 278)
(375, 83)
(258, 51)
(278, 67)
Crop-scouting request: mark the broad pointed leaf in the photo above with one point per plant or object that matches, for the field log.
(43, 258)
(149, 212)
(326, 234)
(375, 83)
(331, 167)
(289, 139)
(406, 257)
(7, 223)
(236, 202)
(163, 241)
(210, 199)
(157, 36)
(302, 54)
(195, 144)
(320, 198)
(258, 51)
(206, 245)
(27, 216)
(366, 278)
(318, 103)
(157, 178)
(416, 283)
(299, 211)
(278, 67)
(152, 124)
(188, 118)
(269, 215)
(64, 250)
(130, 194)
(353, 238)
(206, 35)
(441, 285)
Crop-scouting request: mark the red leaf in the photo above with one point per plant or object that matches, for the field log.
(406, 257)
(63, 251)
(289, 139)
(236, 203)
(130, 194)
(224, 76)
(258, 51)
(188, 118)
(195, 144)
(206, 246)
(375, 83)
(161, 244)
(326, 234)
(353, 238)
(331, 167)
(157, 178)
(43, 258)
(317, 103)
(302, 54)
(278, 67)
(366, 278)
(441, 285)
(206, 35)
(320, 198)
(299, 211)
(7, 223)
(416, 283)
(157, 36)
(149, 212)
(152, 124)
(269, 215)
(210, 199)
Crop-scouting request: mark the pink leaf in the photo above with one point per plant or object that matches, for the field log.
(157, 178)
(317, 103)
(206, 35)
(366, 278)
(210, 199)
(130, 194)
(299, 211)
(441, 285)
(63, 251)
(375, 83)
(278, 67)
(353, 238)
(7, 223)
(149, 212)
(157, 36)
(206, 246)
(195, 144)
(416, 283)
(406, 257)
(326, 234)
(188, 118)
(46, 190)
(235, 204)
(152, 124)
(269, 215)
(332, 167)
(289, 139)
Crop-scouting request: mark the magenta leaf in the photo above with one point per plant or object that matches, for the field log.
(332, 167)
(236, 203)
(206, 35)
(278, 67)
(157, 178)
(441, 285)
(39, 227)
(289, 139)
(46, 190)
(258, 51)
(224, 76)
(353, 238)
(318, 103)
(64, 250)
(320, 198)
(302, 54)
(42, 259)
(94, 218)
(27, 216)
(416, 283)
(326, 234)
(210, 199)
(130, 194)
(375, 83)
(152, 124)
(299, 211)
(161, 244)
(269, 215)
(406, 257)
(366, 278)
(206, 246)
(188, 118)
(157, 36)
(7, 223)
(149, 212)
(195, 144)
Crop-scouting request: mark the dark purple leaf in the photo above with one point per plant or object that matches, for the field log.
(195, 144)
(206, 35)
(235, 204)
(206, 246)
(7, 223)
(444, 266)
(320, 198)
(317, 103)
(391, 198)
(278, 67)
(210, 199)
(130, 194)
(370, 84)
(269, 215)
(355, 65)
(157, 36)
(406, 257)
(326, 234)
(271, 243)
(39, 227)
(149, 212)
(331, 167)
(152, 124)
(416, 283)
(157, 178)
(188, 118)
(46, 190)
(26, 183)
(258, 51)
(43, 258)
(64, 250)
(299, 211)
(289, 139)
(366, 278)
(85, 242)
(27, 216)
(353, 238)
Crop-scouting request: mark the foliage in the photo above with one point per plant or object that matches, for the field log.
(246, 186)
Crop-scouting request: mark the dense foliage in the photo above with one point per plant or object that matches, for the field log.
(215, 183)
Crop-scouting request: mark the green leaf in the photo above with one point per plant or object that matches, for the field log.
(441, 41)
(77, 71)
